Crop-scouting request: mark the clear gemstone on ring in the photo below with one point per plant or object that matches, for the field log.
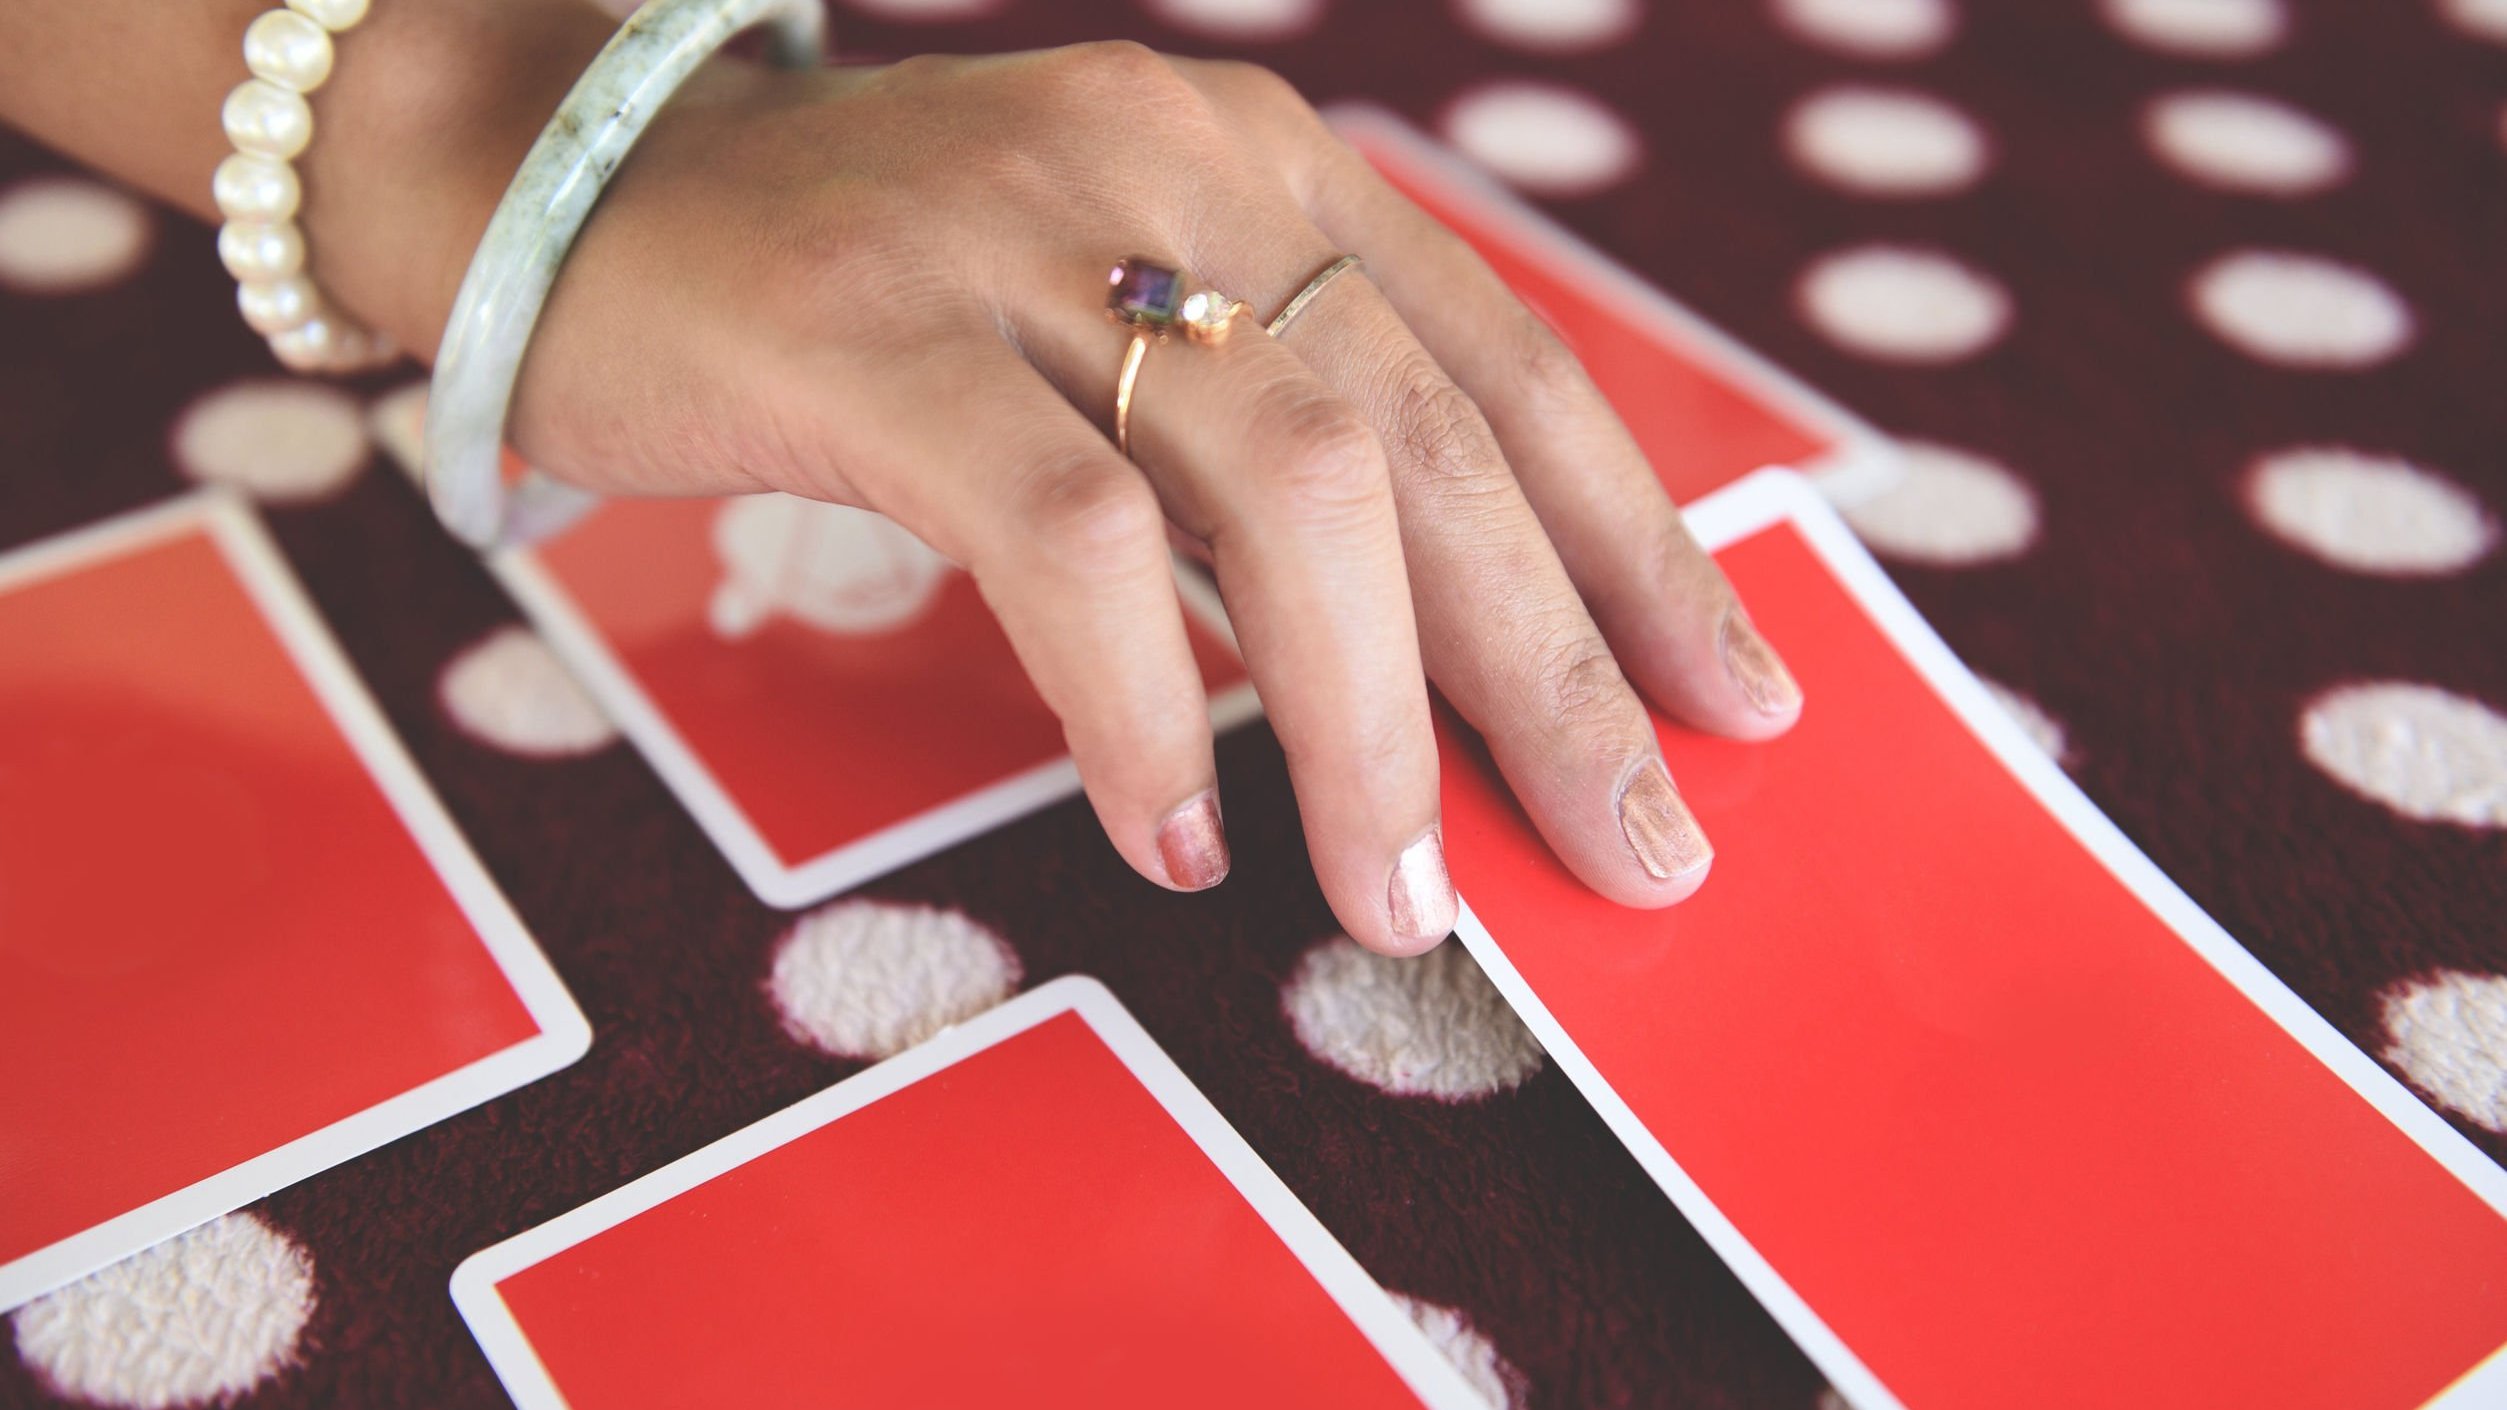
(1208, 310)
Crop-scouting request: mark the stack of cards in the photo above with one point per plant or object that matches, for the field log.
(240, 941)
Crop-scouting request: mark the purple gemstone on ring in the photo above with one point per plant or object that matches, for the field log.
(1144, 292)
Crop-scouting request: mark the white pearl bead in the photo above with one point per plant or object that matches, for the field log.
(252, 187)
(260, 249)
(307, 347)
(276, 305)
(337, 16)
(263, 118)
(289, 50)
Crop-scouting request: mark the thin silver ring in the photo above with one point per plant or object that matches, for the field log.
(1314, 287)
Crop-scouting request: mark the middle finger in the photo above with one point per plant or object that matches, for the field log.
(1503, 630)
(1287, 484)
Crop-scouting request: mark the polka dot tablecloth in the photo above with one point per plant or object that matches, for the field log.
(2191, 312)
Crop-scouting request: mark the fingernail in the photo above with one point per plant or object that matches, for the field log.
(1756, 668)
(1192, 842)
(1421, 897)
(1659, 826)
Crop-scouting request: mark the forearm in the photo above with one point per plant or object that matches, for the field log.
(428, 110)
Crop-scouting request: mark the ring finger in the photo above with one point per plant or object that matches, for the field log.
(1287, 484)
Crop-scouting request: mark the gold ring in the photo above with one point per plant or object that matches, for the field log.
(1149, 298)
(1289, 311)
(1133, 356)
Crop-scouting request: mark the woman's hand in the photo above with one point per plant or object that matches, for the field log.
(886, 287)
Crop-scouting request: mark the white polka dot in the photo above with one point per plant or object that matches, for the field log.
(1498, 1383)
(1552, 26)
(1872, 29)
(925, 11)
(2369, 513)
(827, 566)
(1243, 20)
(1950, 509)
(2042, 729)
(204, 1316)
(68, 235)
(1431, 1026)
(2200, 29)
(869, 979)
(273, 440)
(398, 422)
(2244, 143)
(2301, 311)
(1886, 142)
(2428, 754)
(2482, 19)
(510, 691)
(1894, 304)
(1548, 140)
(2448, 1035)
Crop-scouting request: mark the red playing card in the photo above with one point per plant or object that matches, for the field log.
(1034, 1209)
(1705, 410)
(1984, 1108)
(239, 940)
(830, 698)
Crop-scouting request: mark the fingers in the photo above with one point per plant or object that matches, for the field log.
(1068, 545)
(1287, 485)
(1503, 630)
(1664, 606)
(1660, 599)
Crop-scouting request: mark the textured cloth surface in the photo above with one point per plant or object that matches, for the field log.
(2211, 460)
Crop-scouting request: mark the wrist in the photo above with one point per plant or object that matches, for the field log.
(428, 112)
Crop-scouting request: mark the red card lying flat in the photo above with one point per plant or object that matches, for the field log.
(1982, 1106)
(830, 698)
(239, 940)
(1035, 1208)
(1705, 409)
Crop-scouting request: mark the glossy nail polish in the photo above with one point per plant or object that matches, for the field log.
(1660, 829)
(1755, 668)
(1192, 843)
(1421, 899)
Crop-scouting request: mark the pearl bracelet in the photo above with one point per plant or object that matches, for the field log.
(289, 52)
(535, 225)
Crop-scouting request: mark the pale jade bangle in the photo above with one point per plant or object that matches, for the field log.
(288, 50)
(551, 196)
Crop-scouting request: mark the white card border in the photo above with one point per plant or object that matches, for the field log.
(236, 530)
(1864, 462)
(1772, 496)
(1412, 1357)
(793, 885)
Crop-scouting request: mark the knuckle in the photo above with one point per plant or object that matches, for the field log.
(1124, 71)
(1577, 679)
(1083, 516)
(1439, 436)
(1259, 87)
(1329, 460)
(1549, 378)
